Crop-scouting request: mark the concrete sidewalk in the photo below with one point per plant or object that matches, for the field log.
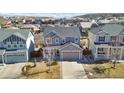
(11, 71)
(73, 70)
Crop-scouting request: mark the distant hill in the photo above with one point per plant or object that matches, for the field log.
(56, 15)
(103, 15)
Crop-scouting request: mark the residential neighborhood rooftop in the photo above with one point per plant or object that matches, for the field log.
(63, 31)
(4, 33)
(112, 29)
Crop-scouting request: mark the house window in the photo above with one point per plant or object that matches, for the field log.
(9, 46)
(4, 42)
(15, 45)
(23, 42)
(57, 40)
(20, 39)
(101, 51)
(21, 45)
(76, 40)
(63, 41)
(48, 41)
(102, 38)
(113, 38)
(123, 38)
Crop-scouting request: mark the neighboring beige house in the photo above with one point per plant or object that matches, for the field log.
(88, 25)
(107, 42)
(35, 28)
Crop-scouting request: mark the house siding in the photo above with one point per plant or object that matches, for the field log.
(54, 40)
(19, 53)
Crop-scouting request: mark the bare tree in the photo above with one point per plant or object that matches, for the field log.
(116, 54)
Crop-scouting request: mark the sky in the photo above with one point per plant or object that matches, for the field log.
(60, 6)
(53, 7)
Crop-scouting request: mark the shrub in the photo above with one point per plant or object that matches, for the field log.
(54, 63)
(102, 61)
(87, 52)
(99, 69)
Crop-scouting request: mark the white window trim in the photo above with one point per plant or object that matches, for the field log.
(76, 41)
(49, 40)
(101, 37)
(57, 40)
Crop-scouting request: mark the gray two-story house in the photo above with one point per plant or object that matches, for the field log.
(15, 45)
(62, 43)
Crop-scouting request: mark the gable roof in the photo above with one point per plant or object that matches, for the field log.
(64, 46)
(63, 31)
(68, 44)
(111, 29)
(22, 33)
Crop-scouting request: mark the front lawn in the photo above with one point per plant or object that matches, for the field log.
(41, 71)
(104, 70)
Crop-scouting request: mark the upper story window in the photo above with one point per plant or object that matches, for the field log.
(101, 51)
(63, 41)
(49, 41)
(113, 38)
(21, 45)
(4, 42)
(123, 38)
(76, 40)
(70, 39)
(15, 45)
(57, 40)
(102, 38)
(9, 46)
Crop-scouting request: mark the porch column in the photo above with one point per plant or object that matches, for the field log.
(108, 52)
(121, 53)
(43, 54)
(96, 55)
(49, 54)
(3, 59)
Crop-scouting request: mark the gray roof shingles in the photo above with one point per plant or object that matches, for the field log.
(111, 29)
(23, 33)
(63, 31)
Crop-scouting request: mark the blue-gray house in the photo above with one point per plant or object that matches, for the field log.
(15, 45)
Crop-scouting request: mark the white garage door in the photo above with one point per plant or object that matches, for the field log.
(71, 56)
(16, 58)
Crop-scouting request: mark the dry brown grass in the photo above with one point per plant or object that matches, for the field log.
(104, 70)
(41, 72)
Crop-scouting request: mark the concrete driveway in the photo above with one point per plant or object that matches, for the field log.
(11, 71)
(72, 70)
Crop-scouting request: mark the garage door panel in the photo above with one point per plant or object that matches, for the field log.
(15, 58)
(71, 55)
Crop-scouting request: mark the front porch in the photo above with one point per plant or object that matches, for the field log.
(51, 53)
(109, 53)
